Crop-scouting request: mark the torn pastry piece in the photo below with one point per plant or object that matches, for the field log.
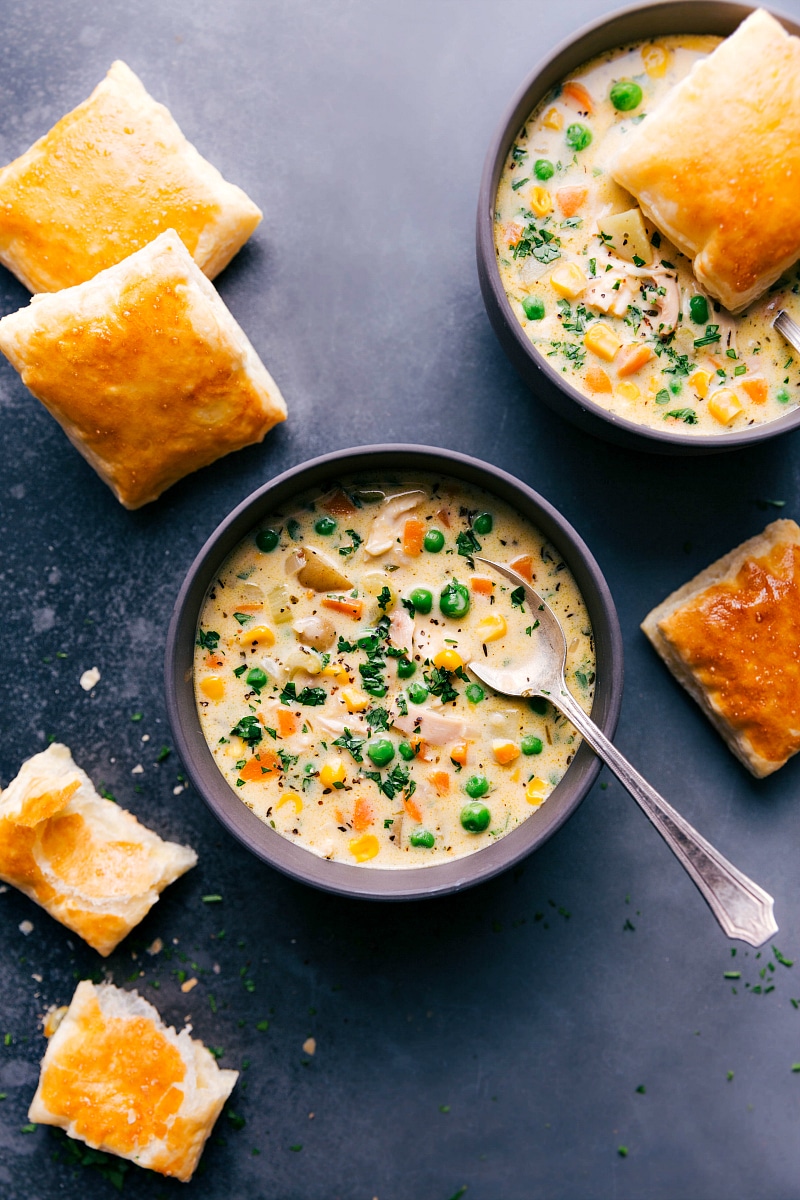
(105, 180)
(731, 636)
(716, 167)
(115, 1077)
(145, 369)
(84, 859)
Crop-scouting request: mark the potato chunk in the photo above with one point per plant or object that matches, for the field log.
(628, 235)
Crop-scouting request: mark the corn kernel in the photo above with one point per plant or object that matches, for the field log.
(568, 280)
(332, 772)
(655, 59)
(490, 629)
(602, 341)
(291, 798)
(553, 119)
(260, 635)
(449, 659)
(724, 405)
(700, 381)
(365, 847)
(628, 391)
(354, 700)
(505, 751)
(213, 687)
(541, 201)
(335, 671)
(535, 791)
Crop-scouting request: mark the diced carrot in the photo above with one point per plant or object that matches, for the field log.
(482, 585)
(340, 819)
(458, 753)
(250, 607)
(420, 747)
(596, 381)
(441, 781)
(413, 809)
(577, 94)
(513, 233)
(570, 199)
(362, 815)
(351, 608)
(260, 766)
(632, 358)
(214, 660)
(523, 565)
(339, 505)
(756, 389)
(413, 533)
(444, 516)
(287, 722)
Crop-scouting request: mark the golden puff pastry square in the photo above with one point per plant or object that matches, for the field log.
(716, 167)
(731, 636)
(105, 180)
(115, 1077)
(84, 859)
(145, 369)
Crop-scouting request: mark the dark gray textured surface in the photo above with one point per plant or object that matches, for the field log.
(360, 129)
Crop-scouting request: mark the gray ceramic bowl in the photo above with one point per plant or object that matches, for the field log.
(627, 25)
(380, 463)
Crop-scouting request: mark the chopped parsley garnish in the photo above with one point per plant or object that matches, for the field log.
(248, 728)
(711, 335)
(240, 670)
(384, 597)
(538, 242)
(311, 696)
(208, 639)
(345, 647)
(518, 183)
(517, 598)
(663, 397)
(357, 540)
(349, 741)
(287, 760)
(518, 153)
(438, 681)
(377, 718)
(242, 618)
(687, 415)
(293, 529)
(467, 543)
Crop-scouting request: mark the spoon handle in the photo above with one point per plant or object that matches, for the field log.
(743, 909)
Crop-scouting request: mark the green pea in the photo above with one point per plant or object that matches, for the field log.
(543, 168)
(474, 693)
(540, 705)
(483, 523)
(578, 136)
(422, 837)
(257, 678)
(406, 751)
(417, 693)
(380, 751)
(533, 308)
(782, 396)
(698, 309)
(454, 599)
(476, 785)
(374, 689)
(475, 817)
(267, 539)
(433, 541)
(422, 600)
(405, 668)
(531, 745)
(625, 95)
(325, 526)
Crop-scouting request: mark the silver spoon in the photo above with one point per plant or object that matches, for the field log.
(743, 909)
(787, 328)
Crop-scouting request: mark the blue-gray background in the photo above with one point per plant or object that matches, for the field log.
(489, 1041)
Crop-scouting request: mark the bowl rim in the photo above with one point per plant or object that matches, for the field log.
(563, 58)
(295, 860)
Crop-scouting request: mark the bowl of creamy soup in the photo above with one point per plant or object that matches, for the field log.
(318, 677)
(600, 313)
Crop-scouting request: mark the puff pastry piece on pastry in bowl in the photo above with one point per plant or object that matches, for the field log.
(117, 1078)
(84, 859)
(717, 165)
(731, 636)
(145, 369)
(104, 181)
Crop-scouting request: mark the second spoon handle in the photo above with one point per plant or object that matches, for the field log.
(743, 909)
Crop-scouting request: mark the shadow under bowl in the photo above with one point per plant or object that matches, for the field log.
(639, 22)
(386, 463)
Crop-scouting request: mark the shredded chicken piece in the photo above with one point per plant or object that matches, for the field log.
(401, 628)
(385, 527)
(436, 728)
(602, 294)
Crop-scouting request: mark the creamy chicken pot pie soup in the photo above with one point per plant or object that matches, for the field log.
(331, 677)
(600, 293)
